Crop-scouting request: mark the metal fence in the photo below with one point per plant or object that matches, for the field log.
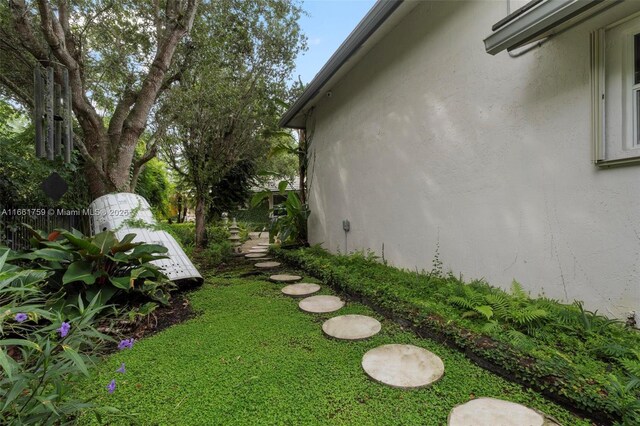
(15, 235)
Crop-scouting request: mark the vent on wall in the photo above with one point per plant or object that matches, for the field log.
(539, 19)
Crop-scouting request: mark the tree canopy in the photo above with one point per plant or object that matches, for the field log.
(120, 59)
(227, 103)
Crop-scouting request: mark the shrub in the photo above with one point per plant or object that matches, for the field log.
(42, 350)
(184, 233)
(86, 266)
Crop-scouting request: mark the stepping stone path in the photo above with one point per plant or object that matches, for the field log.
(402, 366)
(301, 289)
(267, 265)
(351, 327)
(284, 278)
(321, 304)
(255, 255)
(495, 412)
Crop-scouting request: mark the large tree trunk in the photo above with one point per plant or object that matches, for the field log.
(108, 151)
(201, 230)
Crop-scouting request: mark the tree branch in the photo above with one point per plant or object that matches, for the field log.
(21, 94)
(85, 154)
(153, 82)
(150, 153)
(25, 31)
(120, 113)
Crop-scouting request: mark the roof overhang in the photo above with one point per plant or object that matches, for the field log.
(382, 17)
(540, 19)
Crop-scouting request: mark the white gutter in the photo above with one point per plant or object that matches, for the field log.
(544, 19)
(369, 24)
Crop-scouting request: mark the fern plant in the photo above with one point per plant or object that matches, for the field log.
(517, 311)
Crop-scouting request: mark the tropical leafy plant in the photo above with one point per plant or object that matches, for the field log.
(82, 265)
(291, 227)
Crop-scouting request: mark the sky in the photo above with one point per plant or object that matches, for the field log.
(326, 26)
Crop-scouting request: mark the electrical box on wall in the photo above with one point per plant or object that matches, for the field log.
(346, 225)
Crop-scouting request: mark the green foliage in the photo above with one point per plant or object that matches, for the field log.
(233, 87)
(184, 233)
(238, 366)
(560, 349)
(37, 361)
(232, 191)
(291, 227)
(86, 266)
(154, 186)
(257, 216)
(21, 173)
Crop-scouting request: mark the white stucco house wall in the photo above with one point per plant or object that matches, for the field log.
(519, 165)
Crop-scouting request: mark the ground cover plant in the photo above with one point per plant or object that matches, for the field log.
(61, 303)
(573, 355)
(252, 357)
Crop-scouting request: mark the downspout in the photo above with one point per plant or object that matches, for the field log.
(528, 48)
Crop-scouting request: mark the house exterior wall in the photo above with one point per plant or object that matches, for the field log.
(431, 142)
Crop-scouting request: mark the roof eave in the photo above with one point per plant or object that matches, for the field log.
(363, 31)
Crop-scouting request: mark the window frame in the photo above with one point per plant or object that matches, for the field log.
(629, 97)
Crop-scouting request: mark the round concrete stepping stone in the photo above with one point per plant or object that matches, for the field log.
(402, 366)
(351, 327)
(494, 412)
(301, 289)
(321, 304)
(255, 255)
(260, 259)
(285, 278)
(259, 248)
(267, 265)
(253, 250)
(264, 244)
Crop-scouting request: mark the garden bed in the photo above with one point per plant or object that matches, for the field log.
(576, 357)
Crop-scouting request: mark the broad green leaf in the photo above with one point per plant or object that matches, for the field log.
(81, 243)
(282, 186)
(77, 359)
(121, 282)
(50, 254)
(293, 201)
(17, 388)
(80, 270)
(105, 241)
(258, 198)
(147, 249)
(127, 239)
(20, 342)
(124, 247)
(7, 364)
(3, 259)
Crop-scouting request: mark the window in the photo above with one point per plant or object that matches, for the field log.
(616, 93)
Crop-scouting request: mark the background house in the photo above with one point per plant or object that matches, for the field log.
(422, 139)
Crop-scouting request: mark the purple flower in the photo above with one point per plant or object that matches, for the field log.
(64, 329)
(21, 317)
(126, 343)
(111, 387)
(121, 369)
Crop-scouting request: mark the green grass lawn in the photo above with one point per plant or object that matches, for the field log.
(252, 357)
